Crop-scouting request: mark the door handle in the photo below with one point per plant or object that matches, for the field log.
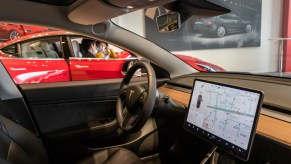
(17, 69)
(81, 66)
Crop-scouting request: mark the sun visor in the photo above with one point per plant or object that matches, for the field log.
(90, 12)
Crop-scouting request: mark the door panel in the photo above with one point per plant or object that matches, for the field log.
(67, 114)
(54, 117)
(74, 105)
(71, 105)
(79, 116)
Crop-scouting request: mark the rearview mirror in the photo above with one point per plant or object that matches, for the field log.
(168, 22)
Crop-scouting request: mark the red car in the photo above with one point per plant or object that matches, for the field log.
(200, 65)
(12, 31)
(55, 56)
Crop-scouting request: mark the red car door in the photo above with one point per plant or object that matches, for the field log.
(90, 69)
(35, 61)
(24, 71)
(95, 68)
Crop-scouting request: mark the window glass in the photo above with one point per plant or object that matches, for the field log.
(99, 60)
(11, 50)
(42, 48)
(103, 49)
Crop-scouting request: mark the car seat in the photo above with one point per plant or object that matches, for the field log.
(76, 48)
(18, 145)
(28, 51)
(48, 50)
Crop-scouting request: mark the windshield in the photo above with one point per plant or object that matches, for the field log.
(249, 39)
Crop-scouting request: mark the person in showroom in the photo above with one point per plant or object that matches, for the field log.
(109, 51)
(89, 47)
(104, 51)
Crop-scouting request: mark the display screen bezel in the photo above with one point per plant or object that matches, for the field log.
(244, 155)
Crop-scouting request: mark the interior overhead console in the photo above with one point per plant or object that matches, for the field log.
(88, 12)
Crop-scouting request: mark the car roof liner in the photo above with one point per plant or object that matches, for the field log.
(133, 3)
(197, 8)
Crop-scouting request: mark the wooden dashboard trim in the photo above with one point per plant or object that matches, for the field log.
(269, 127)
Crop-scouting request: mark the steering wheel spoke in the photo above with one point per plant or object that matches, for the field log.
(126, 117)
(142, 98)
(123, 90)
(129, 120)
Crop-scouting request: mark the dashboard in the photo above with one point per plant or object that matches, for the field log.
(224, 115)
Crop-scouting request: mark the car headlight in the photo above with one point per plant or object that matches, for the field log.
(208, 68)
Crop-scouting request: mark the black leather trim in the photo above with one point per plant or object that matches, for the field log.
(87, 131)
(24, 147)
(4, 142)
(2, 161)
(53, 117)
(17, 151)
(20, 113)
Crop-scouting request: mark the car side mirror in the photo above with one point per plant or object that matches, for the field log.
(169, 22)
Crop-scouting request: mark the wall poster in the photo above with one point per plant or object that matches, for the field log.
(240, 28)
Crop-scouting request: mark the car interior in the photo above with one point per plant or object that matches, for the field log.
(39, 49)
(135, 119)
(76, 48)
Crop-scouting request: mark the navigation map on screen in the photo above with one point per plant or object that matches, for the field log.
(225, 115)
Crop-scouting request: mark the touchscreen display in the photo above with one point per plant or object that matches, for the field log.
(224, 115)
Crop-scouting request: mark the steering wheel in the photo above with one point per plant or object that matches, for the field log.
(135, 103)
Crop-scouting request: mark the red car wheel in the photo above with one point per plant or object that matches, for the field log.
(13, 34)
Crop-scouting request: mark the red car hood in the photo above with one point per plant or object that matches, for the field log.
(200, 65)
(196, 63)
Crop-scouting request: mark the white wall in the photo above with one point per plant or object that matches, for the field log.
(133, 22)
(258, 59)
